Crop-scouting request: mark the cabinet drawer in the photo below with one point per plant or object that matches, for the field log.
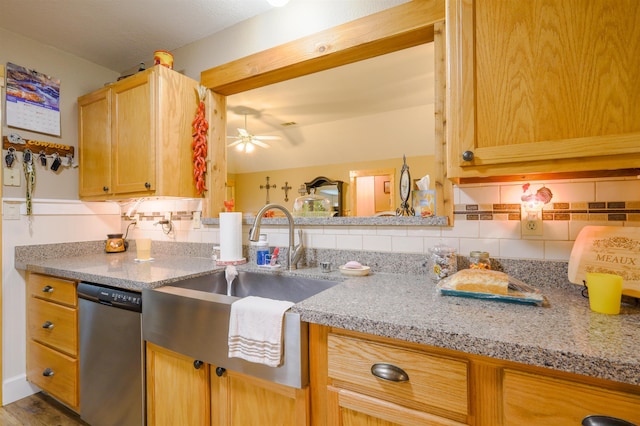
(63, 383)
(53, 289)
(52, 324)
(434, 381)
(536, 400)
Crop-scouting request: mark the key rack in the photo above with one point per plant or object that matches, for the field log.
(49, 148)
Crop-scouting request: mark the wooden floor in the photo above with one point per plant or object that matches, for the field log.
(38, 410)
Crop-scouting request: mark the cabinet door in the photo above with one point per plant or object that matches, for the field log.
(54, 372)
(536, 400)
(133, 130)
(543, 80)
(354, 409)
(94, 143)
(177, 391)
(53, 325)
(238, 399)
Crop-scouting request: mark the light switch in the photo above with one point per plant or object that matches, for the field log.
(11, 176)
(11, 211)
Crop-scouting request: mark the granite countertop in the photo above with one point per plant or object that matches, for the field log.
(564, 334)
(121, 270)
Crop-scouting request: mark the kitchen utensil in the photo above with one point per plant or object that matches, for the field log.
(607, 249)
(115, 243)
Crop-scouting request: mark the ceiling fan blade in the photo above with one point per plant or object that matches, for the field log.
(268, 138)
(258, 143)
(243, 132)
(239, 141)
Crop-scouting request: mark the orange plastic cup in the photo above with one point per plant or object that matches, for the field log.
(605, 292)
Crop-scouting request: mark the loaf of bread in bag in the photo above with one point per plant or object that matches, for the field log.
(480, 281)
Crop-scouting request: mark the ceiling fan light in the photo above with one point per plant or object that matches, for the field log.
(249, 147)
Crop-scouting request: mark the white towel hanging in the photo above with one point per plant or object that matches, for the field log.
(255, 330)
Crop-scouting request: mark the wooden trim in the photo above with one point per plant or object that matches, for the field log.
(318, 374)
(409, 24)
(1, 351)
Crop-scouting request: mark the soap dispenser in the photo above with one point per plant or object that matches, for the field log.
(262, 250)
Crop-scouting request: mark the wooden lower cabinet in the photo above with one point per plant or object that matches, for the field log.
(177, 389)
(238, 399)
(446, 387)
(531, 399)
(52, 337)
(181, 391)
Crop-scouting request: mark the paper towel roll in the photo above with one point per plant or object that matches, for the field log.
(230, 236)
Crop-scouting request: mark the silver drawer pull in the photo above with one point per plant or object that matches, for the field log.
(389, 372)
(47, 325)
(47, 372)
(47, 289)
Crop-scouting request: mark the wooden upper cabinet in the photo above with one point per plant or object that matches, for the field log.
(94, 134)
(543, 87)
(133, 134)
(135, 137)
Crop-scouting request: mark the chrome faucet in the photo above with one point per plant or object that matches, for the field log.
(295, 252)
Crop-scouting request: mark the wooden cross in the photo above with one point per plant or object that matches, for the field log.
(286, 189)
(267, 187)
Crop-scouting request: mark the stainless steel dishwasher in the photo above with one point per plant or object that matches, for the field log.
(111, 356)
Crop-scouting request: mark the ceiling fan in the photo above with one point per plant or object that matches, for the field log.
(246, 141)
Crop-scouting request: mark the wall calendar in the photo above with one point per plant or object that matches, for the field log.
(33, 100)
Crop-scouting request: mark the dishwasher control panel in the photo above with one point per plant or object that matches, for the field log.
(118, 298)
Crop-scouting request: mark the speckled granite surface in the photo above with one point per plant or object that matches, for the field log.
(564, 334)
(87, 261)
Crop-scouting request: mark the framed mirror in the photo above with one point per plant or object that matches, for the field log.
(395, 29)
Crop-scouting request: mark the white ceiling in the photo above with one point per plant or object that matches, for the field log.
(119, 34)
(398, 80)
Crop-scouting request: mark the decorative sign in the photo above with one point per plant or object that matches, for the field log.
(33, 100)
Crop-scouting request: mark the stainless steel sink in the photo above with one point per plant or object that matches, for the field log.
(191, 317)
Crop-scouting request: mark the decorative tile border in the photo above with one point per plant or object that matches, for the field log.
(157, 216)
(598, 211)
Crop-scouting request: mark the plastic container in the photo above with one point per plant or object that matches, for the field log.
(479, 260)
(262, 250)
(442, 261)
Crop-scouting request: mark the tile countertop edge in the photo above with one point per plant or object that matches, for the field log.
(513, 352)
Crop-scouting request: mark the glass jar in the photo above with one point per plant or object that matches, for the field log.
(479, 260)
(442, 261)
(312, 205)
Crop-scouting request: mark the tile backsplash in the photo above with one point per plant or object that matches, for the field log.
(487, 217)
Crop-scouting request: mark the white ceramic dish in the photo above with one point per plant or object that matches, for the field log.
(353, 272)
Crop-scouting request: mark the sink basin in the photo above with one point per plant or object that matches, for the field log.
(278, 287)
(191, 317)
